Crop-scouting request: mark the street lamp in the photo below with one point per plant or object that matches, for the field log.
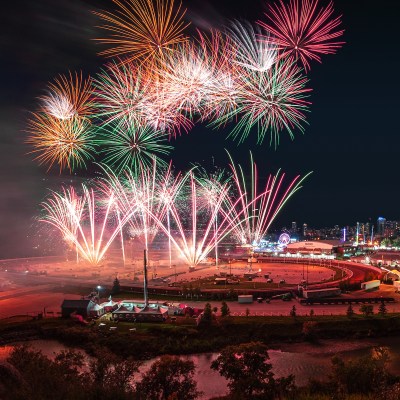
(98, 290)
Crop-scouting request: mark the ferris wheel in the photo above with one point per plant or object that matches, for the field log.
(284, 239)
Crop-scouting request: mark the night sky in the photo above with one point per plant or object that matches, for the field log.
(351, 142)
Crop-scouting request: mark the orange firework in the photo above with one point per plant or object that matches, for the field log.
(66, 142)
(68, 96)
(143, 29)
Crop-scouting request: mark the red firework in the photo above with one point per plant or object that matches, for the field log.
(303, 30)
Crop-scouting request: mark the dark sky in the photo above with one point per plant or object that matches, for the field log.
(352, 141)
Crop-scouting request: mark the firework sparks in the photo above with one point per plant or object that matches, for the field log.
(143, 29)
(303, 30)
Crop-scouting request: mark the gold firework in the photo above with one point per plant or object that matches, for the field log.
(67, 142)
(143, 29)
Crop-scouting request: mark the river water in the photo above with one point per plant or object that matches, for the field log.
(303, 360)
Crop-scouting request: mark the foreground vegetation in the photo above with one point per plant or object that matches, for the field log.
(28, 374)
(117, 355)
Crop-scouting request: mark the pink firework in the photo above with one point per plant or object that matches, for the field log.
(303, 30)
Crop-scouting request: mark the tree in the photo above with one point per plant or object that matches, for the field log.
(386, 242)
(293, 312)
(396, 242)
(367, 309)
(225, 311)
(382, 310)
(365, 375)
(310, 330)
(206, 317)
(112, 376)
(41, 377)
(116, 286)
(248, 372)
(168, 378)
(350, 311)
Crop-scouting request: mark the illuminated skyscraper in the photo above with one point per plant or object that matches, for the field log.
(380, 231)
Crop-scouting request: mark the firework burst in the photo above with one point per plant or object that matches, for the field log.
(143, 29)
(303, 30)
(120, 91)
(188, 74)
(68, 143)
(270, 101)
(131, 146)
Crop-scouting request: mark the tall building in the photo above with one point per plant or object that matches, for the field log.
(391, 228)
(294, 227)
(380, 228)
(305, 230)
(367, 230)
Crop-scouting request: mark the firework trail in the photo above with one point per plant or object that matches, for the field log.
(260, 207)
(303, 30)
(195, 240)
(211, 187)
(222, 92)
(150, 189)
(77, 219)
(143, 29)
(161, 109)
(61, 131)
